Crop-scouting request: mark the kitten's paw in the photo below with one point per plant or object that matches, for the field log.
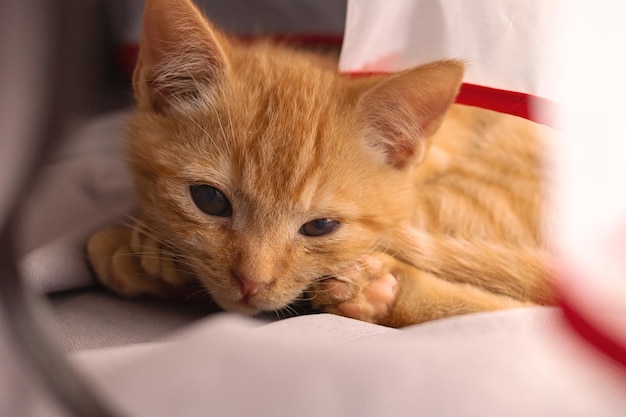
(373, 303)
(133, 265)
(366, 292)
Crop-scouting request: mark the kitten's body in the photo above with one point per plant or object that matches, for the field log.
(437, 216)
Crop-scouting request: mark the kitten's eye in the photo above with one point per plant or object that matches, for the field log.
(210, 200)
(318, 227)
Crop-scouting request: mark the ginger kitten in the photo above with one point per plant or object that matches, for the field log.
(268, 178)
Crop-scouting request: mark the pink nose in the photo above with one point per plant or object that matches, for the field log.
(250, 287)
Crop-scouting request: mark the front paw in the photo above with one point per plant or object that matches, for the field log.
(131, 263)
(364, 292)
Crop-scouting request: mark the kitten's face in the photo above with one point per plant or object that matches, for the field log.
(272, 187)
(264, 172)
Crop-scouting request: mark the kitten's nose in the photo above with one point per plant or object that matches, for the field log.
(250, 287)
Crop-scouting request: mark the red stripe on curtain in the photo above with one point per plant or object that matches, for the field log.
(529, 107)
(592, 334)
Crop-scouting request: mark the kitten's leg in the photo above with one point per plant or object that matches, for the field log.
(132, 263)
(386, 291)
(520, 271)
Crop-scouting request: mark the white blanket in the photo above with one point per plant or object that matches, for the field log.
(84, 185)
(513, 363)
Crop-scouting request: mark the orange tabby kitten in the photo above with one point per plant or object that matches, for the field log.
(268, 178)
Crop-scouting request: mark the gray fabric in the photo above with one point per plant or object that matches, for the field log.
(327, 329)
(251, 17)
(514, 363)
(96, 318)
(24, 57)
(84, 185)
(60, 264)
(21, 394)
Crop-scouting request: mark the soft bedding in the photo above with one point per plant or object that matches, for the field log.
(514, 363)
(83, 185)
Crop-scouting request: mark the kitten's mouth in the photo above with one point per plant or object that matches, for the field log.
(251, 303)
(246, 304)
(245, 300)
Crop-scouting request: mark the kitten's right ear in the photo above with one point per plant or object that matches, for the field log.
(181, 57)
(405, 109)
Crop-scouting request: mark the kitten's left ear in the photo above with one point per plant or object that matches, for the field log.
(406, 108)
(181, 56)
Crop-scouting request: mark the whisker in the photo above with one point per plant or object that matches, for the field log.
(158, 255)
(201, 290)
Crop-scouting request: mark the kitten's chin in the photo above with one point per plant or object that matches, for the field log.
(249, 308)
(241, 308)
(246, 307)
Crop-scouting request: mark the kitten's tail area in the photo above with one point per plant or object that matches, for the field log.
(517, 271)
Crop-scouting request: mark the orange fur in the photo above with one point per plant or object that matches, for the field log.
(448, 198)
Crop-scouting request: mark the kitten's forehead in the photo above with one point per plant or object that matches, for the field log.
(289, 132)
